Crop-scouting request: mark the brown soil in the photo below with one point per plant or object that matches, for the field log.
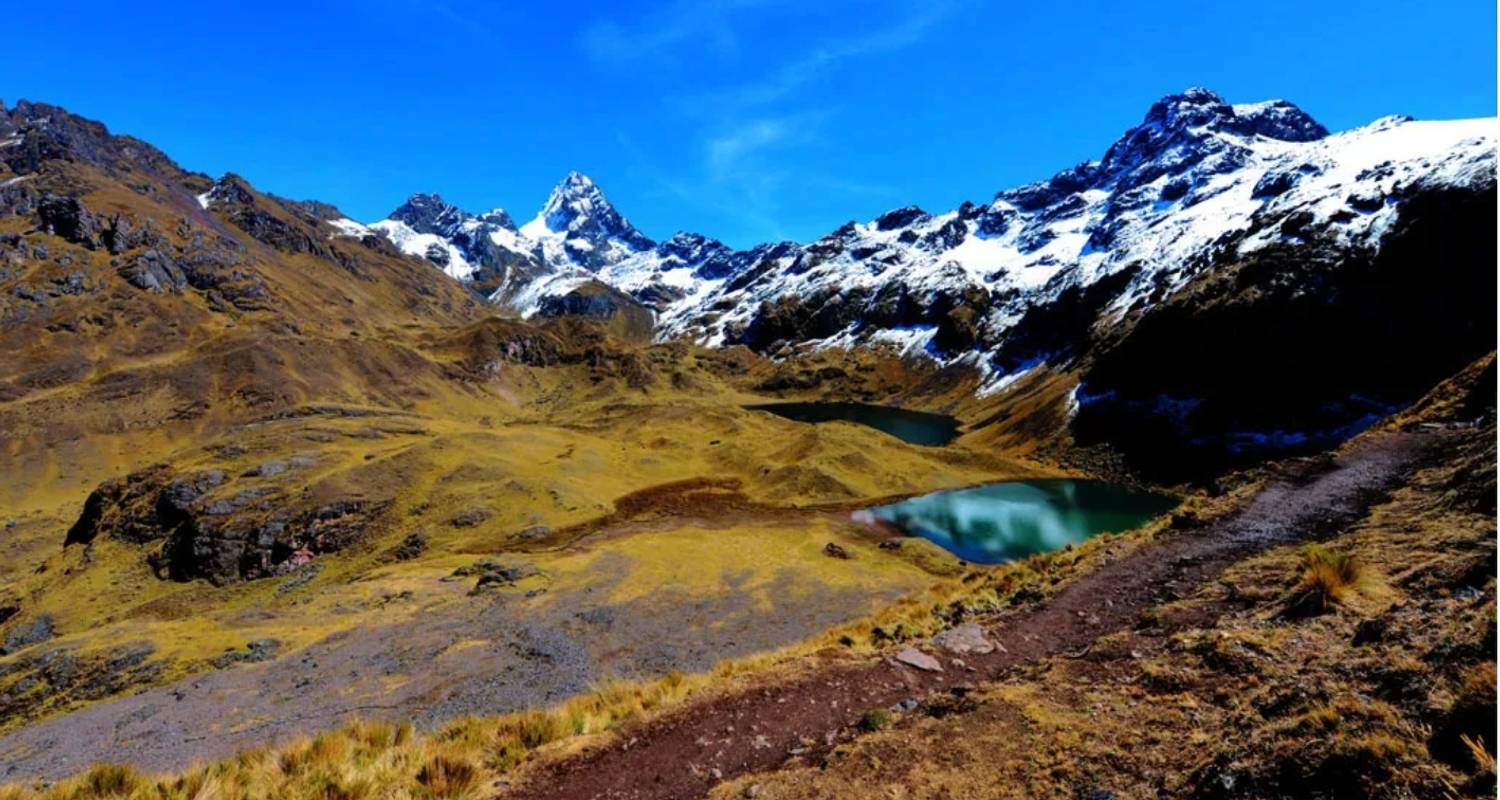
(684, 754)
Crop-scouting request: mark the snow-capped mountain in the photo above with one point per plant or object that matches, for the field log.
(484, 251)
(578, 227)
(1198, 182)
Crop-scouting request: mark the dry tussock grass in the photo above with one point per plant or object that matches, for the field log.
(373, 759)
(1328, 579)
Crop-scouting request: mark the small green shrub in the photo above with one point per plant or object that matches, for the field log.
(874, 719)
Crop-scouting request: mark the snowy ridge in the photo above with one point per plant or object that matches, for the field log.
(431, 246)
(1198, 181)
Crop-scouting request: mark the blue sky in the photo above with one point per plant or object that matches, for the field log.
(747, 120)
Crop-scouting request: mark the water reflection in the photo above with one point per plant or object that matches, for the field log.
(1007, 521)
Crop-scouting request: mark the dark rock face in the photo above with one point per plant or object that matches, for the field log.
(1298, 347)
(598, 301)
(949, 236)
(1172, 139)
(215, 266)
(256, 651)
(429, 213)
(594, 305)
(415, 544)
(1279, 120)
(122, 234)
(470, 517)
(438, 255)
(792, 318)
(67, 218)
(1272, 184)
(1060, 330)
(52, 133)
(233, 197)
(956, 313)
(959, 316)
(493, 574)
(284, 225)
(899, 218)
(204, 527)
(154, 273)
(709, 258)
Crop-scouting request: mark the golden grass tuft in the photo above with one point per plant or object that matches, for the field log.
(1477, 684)
(112, 780)
(1484, 760)
(445, 776)
(1329, 577)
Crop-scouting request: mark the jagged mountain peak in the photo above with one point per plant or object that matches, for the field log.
(574, 199)
(1204, 111)
(429, 213)
(1195, 131)
(498, 216)
(1192, 106)
(692, 248)
(579, 226)
(1196, 181)
(575, 181)
(1280, 119)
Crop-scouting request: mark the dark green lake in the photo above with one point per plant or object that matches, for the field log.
(916, 427)
(1009, 521)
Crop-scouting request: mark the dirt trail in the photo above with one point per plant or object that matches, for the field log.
(684, 754)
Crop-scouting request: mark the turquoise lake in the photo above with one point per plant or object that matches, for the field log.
(1009, 521)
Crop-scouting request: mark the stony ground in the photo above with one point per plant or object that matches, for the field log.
(514, 645)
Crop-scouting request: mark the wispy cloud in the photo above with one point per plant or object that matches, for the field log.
(725, 151)
(784, 80)
(705, 25)
(740, 143)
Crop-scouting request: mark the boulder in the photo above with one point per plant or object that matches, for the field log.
(912, 657)
(964, 639)
(470, 517)
(415, 544)
(532, 532)
(154, 272)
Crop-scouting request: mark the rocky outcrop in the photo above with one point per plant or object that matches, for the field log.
(66, 217)
(48, 133)
(205, 525)
(39, 680)
(154, 272)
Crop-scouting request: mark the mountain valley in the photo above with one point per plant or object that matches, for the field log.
(440, 505)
